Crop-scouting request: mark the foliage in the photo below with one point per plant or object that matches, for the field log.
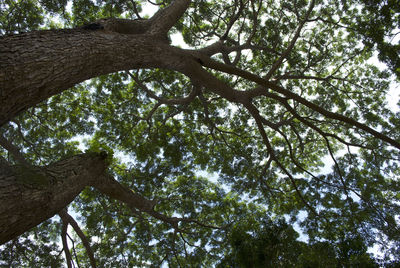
(274, 244)
(38, 248)
(244, 178)
(382, 29)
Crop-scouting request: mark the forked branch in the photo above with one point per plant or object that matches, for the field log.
(67, 219)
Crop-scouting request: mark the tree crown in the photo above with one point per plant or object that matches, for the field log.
(273, 118)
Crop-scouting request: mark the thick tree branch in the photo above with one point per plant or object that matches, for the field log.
(107, 185)
(199, 76)
(165, 18)
(44, 63)
(31, 196)
(212, 49)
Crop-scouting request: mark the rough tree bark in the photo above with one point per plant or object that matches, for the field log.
(29, 196)
(37, 65)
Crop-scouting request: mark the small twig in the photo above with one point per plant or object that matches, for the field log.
(73, 249)
(135, 9)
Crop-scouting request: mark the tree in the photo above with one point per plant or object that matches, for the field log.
(268, 96)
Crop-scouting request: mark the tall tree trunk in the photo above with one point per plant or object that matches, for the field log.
(30, 196)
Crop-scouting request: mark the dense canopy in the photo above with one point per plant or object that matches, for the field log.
(234, 133)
